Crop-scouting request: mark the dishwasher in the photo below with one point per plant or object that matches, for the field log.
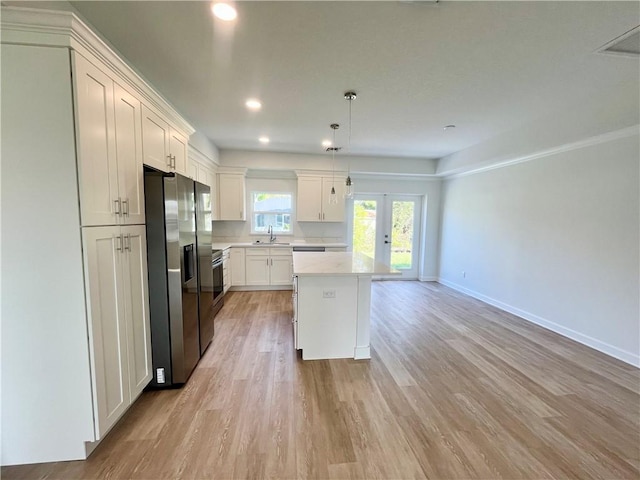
(304, 248)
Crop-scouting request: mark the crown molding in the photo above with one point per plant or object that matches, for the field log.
(55, 28)
(198, 156)
(566, 147)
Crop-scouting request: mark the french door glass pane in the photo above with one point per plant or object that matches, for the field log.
(402, 234)
(364, 227)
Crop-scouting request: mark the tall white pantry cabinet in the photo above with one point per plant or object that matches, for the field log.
(75, 349)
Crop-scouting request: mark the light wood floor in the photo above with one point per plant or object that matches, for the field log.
(454, 389)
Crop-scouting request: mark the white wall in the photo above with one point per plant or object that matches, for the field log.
(266, 160)
(287, 182)
(274, 172)
(46, 388)
(206, 147)
(554, 240)
(429, 190)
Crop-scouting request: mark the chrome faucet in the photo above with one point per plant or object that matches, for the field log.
(272, 237)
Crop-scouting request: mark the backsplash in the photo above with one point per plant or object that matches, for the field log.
(309, 232)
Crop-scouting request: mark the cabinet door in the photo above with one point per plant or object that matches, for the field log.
(129, 154)
(257, 267)
(103, 249)
(192, 170)
(155, 141)
(237, 258)
(333, 213)
(281, 270)
(232, 197)
(178, 147)
(97, 163)
(309, 199)
(136, 299)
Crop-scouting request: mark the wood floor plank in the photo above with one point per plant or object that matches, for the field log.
(455, 389)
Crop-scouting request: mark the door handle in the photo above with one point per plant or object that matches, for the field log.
(387, 241)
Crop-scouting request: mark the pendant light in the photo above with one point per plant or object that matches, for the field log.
(333, 198)
(348, 191)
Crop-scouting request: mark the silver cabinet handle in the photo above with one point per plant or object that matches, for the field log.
(169, 158)
(118, 211)
(127, 242)
(323, 216)
(173, 157)
(319, 216)
(119, 243)
(272, 262)
(125, 207)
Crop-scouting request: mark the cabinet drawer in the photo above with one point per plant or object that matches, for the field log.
(257, 251)
(279, 251)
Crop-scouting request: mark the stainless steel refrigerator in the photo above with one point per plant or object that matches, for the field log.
(176, 252)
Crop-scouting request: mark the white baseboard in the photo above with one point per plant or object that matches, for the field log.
(362, 353)
(627, 357)
(429, 279)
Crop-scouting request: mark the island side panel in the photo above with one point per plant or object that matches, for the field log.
(327, 325)
(363, 349)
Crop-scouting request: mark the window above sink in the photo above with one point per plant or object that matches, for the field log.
(271, 209)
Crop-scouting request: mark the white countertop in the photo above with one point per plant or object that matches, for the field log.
(338, 263)
(224, 246)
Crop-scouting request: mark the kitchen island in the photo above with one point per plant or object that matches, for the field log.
(332, 303)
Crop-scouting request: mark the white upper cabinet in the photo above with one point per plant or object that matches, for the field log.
(97, 163)
(163, 147)
(110, 149)
(313, 199)
(232, 200)
(178, 147)
(129, 155)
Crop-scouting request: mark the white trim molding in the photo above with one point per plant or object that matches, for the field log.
(622, 355)
(586, 142)
(56, 28)
(198, 156)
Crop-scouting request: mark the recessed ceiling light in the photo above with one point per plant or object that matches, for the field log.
(224, 11)
(448, 127)
(326, 143)
(264, 140)
(253, 104)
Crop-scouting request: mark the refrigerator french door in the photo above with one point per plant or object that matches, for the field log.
(173, 276)
(206, 282)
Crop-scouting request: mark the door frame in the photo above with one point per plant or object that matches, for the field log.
(385, 201)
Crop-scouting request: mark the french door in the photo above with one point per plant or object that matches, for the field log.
(387, 228)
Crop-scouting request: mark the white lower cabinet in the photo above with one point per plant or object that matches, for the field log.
(268, 266)
(257, 266)
(119, 330)
(237, 261)
(226, 270)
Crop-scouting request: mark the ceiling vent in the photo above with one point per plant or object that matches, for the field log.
(627, 44)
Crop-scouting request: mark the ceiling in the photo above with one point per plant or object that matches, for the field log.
(487, 67)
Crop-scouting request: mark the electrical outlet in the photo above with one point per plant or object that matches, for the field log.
(328, 294)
